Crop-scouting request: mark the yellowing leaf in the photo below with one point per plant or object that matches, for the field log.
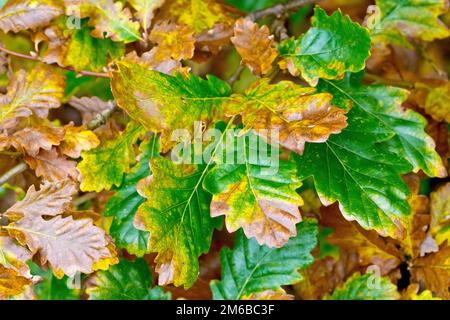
(11, 282)
(260, 199)
(412, 293)
(162, 103)
(18, 15)
(412, 18)
(366, 287)
(200, 15)
(440, 213)
(109, 19)
(176, 214)
(78, 139)
(255, 45)
(269, 295)
(104, 166)
(294, 113)
(433, 271)
(436, 103)
(145, 10)
(35, 92)
(173, 41)
(15, 257)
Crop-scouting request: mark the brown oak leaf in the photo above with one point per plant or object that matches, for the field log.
(255, 45)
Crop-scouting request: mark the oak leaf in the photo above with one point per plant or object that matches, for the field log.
(78, 139)
(252, 195)
(110, 19)
(366, 287)
(35, 92)
(163, 103)
(18, 15)
(394, 20)
(104, 166)
(295, 113)
(440, 213)
(90, 107)
(52, 166)
(334, 45)
(145, 11)
(128, 280)
(201, 15)
(173, 41)
(177, 216)
(255, 45)
(249, 268)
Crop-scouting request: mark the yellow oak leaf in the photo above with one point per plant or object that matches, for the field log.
(78, 139)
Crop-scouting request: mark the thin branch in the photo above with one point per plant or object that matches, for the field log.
(36, 58)
(84, 198)
(279, 9)
(19, 168)
(236, 75)
(100, 119)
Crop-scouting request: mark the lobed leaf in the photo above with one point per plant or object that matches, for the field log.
(250, 269)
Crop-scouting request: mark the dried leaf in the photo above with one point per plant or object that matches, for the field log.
(255, 45)
(35, 92)
(52, 166)
(433, 271)
(18, 15)
(90, 107)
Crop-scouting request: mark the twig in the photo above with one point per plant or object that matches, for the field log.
(19, 168)
(236, 74)
(279, 9)
(84, 198)
(36, 58)
(100, 119)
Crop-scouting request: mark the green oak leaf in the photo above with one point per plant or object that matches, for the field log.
(124, 204)
(254, 193)
(127, 280)
(334, 45)
(402, 130)
(397, 19)
(177, 216)
(355, 169)
(250, 268)
(52, 288)
(365, 287)
(164, 103)
(104, 166)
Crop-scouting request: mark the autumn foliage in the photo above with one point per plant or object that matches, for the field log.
(313, 137)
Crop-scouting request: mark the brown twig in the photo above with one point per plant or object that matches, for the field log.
(279, 9)
(236, 75)
(36, 58)
(100, 118)
(84, 198)
(19, 168)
